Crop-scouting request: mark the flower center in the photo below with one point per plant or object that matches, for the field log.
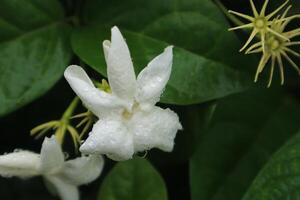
(128, 114)
(260, 23)
(274, 45)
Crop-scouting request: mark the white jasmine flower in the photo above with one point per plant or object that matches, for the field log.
(62, 177)
(129, 121)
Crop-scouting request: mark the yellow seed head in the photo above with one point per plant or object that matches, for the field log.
(273, 41)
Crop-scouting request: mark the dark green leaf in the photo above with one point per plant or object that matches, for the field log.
(279, 179)
(134, 179)
(206, 65)
(246, 129)
(34, 50)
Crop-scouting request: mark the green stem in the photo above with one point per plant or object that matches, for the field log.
(70, 110)
(65, 119)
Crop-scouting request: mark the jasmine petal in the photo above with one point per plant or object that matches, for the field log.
(110, 137)
(153, 79)
(23, 164)
(82, 170)
(97, 101)
(150, 132)
(63, 189)
(120, 70)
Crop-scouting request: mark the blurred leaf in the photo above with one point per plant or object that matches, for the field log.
(206, 65)
(134, 179)
(245, 130)
(279, 179)
(34, 50)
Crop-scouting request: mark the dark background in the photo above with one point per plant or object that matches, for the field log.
(15, 129)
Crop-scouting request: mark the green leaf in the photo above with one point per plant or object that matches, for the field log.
(133, 180)
(279, 179)
(245, 130)
(34, 50)
(206, 64)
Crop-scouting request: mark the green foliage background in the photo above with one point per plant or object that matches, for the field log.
(232, 127)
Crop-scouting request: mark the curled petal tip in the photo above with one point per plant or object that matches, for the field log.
(52, 137)
(106, 43)
(169, 48)
(115, 28)
(71, 69)
(47, 140)
(86, 148)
